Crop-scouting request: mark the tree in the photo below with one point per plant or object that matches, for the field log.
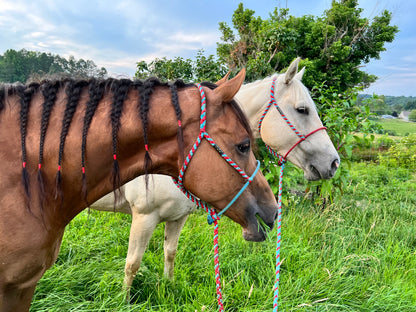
(377, 105)
(201, 69)
(412, 115)
(333, 46)
(22, 65)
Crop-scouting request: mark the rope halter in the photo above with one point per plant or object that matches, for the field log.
(213, 217)
(301, 136)
(281, 163)
(203, 134)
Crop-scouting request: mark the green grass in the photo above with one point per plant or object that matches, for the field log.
(359, 254)
(398, 127)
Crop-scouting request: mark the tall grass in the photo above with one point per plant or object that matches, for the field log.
(359, 254)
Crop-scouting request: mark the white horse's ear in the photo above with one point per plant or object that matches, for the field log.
(292, 70)
(299, 75)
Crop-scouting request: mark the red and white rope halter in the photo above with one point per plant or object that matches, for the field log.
(281, 162)
(213, 217)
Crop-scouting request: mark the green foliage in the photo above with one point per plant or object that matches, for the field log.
(203, 68)
(401, 154)
(367, 147)
(165, 69)
(343, 118)
(333, 45)
(377, 105)
(412, 115)
(23, 65)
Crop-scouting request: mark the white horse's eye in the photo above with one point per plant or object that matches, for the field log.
(302, 110)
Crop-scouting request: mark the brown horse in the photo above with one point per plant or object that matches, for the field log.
(64, 144)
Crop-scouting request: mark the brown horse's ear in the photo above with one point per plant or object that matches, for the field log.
(223, 79)
(228, 89)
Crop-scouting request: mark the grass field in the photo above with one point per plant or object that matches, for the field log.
(398, 127)
(359, 254)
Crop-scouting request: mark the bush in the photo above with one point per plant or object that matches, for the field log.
(402, 154)
(412, 115)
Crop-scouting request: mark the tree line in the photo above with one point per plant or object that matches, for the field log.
(23, 65)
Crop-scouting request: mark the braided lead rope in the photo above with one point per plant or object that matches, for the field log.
(281, 163)
(213, 217)
(278, 239)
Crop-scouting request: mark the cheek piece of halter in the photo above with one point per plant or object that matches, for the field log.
(281, 163)
(213, 217)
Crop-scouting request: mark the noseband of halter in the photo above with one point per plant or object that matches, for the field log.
(301, 136)
(203, 134)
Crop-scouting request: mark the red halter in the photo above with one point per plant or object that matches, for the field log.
(301, 136)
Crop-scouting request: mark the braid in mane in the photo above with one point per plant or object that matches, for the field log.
(73, 91)
(25, 93)
(1, 97)
(120, 89)
(96, 92)
(178, 112)
(145, 91)
(49, 91)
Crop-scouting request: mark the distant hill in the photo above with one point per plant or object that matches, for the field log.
(386, 103)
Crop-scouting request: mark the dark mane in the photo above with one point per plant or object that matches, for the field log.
(96, 89)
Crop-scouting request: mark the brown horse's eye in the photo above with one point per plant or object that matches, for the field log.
(244, 148)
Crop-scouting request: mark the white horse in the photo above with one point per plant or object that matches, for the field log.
(164, 202)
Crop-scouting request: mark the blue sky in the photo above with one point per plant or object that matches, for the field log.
(117, 34)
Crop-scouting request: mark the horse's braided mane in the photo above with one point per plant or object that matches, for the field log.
(175, 102)
(73, 90)
(120, 89)
(49, 91)
(1, 98)
(25, 94)
(96, 91)
(145, 92)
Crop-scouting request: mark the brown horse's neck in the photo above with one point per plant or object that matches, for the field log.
(161, 132)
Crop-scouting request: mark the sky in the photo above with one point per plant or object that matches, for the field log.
(118, 34)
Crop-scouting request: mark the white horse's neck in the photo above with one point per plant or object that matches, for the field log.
(253, 98)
